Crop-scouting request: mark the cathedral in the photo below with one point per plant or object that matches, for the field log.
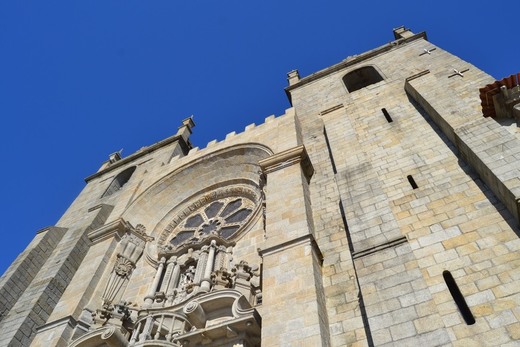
(381, 209)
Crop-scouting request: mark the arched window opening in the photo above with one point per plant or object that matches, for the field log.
(361, 78)
(119, 181)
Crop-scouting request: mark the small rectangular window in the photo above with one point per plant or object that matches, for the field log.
(387, 115)
(412, 182)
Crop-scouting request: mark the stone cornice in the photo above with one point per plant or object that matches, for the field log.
(332, 109)
(417, 75)
(67, 320)
(51, 228)
(115, 228)
(286, 158)
(104, 336)
(184, 247)
(300, 240)
(388, 244)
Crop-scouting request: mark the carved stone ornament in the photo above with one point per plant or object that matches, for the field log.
(222, 279)
(109, 331)
(141, 229)
(167, 248)
(130, 249)
(103, 336)
(242, 270)
(123, 267)
(118, 313)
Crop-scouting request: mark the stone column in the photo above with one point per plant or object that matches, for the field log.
(149, 298)
(220, 259)
(145, 335)
(205, 284)
(291, 258)
(243, 275)
(201, 265)
(170, 264)
(174, 280)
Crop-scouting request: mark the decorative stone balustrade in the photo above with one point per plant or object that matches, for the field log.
(159, 329)
(204, 320)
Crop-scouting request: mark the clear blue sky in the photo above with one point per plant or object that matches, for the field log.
(82, 79)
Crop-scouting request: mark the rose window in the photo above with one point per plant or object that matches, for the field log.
(222, 217)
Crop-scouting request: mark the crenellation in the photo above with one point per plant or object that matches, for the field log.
(250, 127)
(211, 143)
(270, 119)
(193, 151)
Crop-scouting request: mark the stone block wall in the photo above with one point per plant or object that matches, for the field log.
(23, 270)
(401, 239)
(37, 302)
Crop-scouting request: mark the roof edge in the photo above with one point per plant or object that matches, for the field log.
(136, 155)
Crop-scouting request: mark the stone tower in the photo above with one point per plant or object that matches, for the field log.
(380, 209)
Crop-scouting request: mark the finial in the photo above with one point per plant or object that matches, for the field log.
(293, 77)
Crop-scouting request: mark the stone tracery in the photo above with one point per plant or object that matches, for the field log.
(227, 210)
(223, 217)
(194, 251)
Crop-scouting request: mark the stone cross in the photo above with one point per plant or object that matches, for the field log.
(427, 51)
(458, 73)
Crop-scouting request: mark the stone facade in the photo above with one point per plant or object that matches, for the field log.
(381, 209)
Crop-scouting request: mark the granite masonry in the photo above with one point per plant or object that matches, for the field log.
(381, 209)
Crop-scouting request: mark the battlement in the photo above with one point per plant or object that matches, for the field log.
(182, 139)
(244, 136)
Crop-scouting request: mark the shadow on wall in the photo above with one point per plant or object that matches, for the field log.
(468, 170)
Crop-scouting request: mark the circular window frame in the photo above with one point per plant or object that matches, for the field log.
(229, 193)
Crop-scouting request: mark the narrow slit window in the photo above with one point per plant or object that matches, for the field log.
(412, 182)
(458, 298)
(387, 115)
